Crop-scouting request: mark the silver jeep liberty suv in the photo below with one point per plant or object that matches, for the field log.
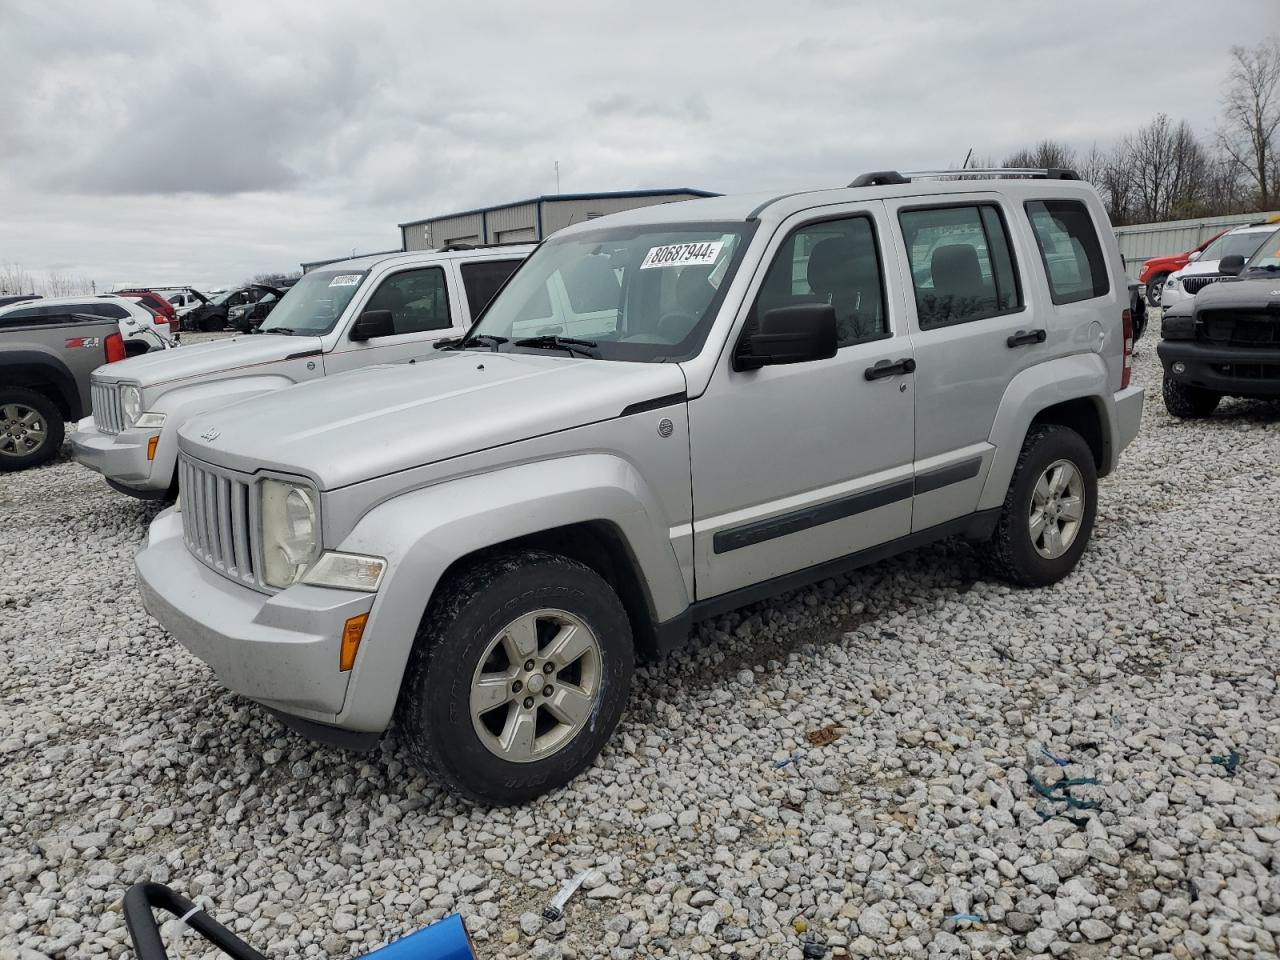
(664, 414)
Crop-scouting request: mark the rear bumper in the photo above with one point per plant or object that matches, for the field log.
(1238, 371)
(1128, 416)
(280, 649)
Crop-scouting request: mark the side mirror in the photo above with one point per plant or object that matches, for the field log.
(373, 323)
(1193, 256)
(1231, 266)
(795, 334)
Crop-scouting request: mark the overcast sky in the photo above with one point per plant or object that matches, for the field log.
(201, 142)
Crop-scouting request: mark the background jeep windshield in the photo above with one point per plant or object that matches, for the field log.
(313, 304)
(647, 292)
(1233, 245)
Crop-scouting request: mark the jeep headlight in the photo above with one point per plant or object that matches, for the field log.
(130, 403)
(290, 526)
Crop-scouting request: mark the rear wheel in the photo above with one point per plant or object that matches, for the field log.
(1154, 286)
(31, 428)
(1187, 402)
(1049, 510)
(519, 674)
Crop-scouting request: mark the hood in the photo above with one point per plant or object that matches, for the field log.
(206, 360)
(381, 419)
(1262, 293)
(1198, 269)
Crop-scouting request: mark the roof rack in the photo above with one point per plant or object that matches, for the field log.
(454, 247)
(881, 178)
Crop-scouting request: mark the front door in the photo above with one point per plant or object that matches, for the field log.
(421, 312)
(799, 464)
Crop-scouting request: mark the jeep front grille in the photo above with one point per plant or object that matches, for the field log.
(107, 414)
(1194, 285)
(218, 517)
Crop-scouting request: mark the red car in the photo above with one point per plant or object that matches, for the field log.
(158, 305)
(1156, 270)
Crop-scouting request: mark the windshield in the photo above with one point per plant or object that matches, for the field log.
(646, 293)
(313, 305)
(1268, 255)
(1234, 245)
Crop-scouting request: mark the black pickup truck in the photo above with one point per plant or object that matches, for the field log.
(45, 363)
(1226, 341)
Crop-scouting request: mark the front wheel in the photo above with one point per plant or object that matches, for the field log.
(1187, 402)
(1049, 510)
(1154, 287)
(519, 674)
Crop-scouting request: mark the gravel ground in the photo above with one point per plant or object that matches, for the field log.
(919, 703)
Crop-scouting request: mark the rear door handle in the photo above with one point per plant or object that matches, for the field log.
(889, 368)
(1024, 337)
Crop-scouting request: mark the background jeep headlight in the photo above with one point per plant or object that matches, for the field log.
(290, 531)
(130, 403)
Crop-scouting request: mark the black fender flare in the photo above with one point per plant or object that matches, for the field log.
(46, 374)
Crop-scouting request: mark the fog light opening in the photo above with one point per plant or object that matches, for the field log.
(352, 632)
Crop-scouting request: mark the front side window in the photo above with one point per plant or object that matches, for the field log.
(481, 279)
(313, 305)
(1268, 256)
(835, 262)
(962, 266)
(417, 299)
(646, 293)
(1070, 249)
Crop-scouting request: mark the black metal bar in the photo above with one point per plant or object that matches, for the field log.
(143, 899)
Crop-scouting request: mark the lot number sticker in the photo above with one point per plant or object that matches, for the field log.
(683, 254)
(345, 280)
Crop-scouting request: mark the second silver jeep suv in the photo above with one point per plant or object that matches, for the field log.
(665, 414)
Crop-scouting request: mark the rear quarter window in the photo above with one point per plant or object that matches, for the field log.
(1069, 249)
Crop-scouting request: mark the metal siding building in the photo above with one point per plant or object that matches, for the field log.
(1142, 241)
(531, 219)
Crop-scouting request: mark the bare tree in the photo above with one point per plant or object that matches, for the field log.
(14, 278)
(1165, 161)
(1046, 154)
(1251, 116)
(58, 284)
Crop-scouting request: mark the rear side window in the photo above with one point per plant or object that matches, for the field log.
(1070, 249)
(108, 310)
(962, 265)
(482, 279)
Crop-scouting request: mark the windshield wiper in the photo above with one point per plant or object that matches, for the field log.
(287, 331)
(461, 343)
(583, 348)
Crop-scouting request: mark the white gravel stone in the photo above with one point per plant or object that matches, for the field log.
(122, 758)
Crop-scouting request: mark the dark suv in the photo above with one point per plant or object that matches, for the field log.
(1225, 341)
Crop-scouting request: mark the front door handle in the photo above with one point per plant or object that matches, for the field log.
(889, 368)
(1024, 337)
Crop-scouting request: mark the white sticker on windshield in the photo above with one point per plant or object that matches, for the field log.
(345, 280)
(683, 254)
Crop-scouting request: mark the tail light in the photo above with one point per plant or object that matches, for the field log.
(1126, 323)
(114, 344)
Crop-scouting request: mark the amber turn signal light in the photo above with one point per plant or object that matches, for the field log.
(352, 631)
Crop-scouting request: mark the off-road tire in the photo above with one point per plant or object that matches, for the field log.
(1154, 287)
(433, 714)
(54, 428)
(1187, 402)
(1010, 554)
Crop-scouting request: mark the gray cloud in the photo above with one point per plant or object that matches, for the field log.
(208, 141)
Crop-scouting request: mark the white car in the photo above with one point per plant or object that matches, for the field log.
(1195, 276)
(138, 326)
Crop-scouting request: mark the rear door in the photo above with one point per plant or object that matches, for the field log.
(800, 464)
(974, 327)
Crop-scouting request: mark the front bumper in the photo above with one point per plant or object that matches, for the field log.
(1237, 371)
(120, 457)
(1172, 295)
(282, 650)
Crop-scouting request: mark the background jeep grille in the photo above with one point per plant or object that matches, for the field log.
(1240, 328)
(107, 415)
(218, 517)
(1194, 285)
